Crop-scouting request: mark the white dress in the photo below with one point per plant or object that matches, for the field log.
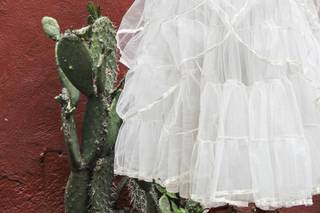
(220, 100)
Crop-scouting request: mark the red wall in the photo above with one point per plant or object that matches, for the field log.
(33, 161)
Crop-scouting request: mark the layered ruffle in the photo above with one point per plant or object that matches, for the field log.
(258, 152)
(220, 98)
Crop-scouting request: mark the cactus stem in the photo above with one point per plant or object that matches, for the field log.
(82, 31)
(69, 131)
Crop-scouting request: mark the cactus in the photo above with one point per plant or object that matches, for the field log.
(86, 62)
(51, 28)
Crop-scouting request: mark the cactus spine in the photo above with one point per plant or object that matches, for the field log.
(86, 61)
(86, 64)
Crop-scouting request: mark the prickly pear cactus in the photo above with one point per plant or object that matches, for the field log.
(86, 62)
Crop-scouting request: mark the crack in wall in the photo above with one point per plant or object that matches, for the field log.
(7, 178)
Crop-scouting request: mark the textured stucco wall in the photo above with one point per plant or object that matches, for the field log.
(33, 161)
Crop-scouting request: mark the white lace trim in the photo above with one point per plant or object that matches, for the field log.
(173, 88)
(183, 178)
(229, 24)
(274, 204)
(312, 18)
(246, 139)
(266, 203)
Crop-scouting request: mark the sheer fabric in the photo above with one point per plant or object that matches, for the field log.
(220, 100)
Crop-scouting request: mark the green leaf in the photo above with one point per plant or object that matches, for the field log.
(51, 27)
(174, 207)
(172, 195)
(90, 20)
(164, 204)
(183, 210)
(161, 189)
(94, 11)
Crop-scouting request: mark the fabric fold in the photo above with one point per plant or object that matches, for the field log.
(219, 102)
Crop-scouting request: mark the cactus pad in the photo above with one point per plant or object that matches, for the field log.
(51, 27)
(75, 61)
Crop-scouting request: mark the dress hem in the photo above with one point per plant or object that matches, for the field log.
(265, 204)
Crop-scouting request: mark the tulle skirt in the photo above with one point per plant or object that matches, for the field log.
(220, 100)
